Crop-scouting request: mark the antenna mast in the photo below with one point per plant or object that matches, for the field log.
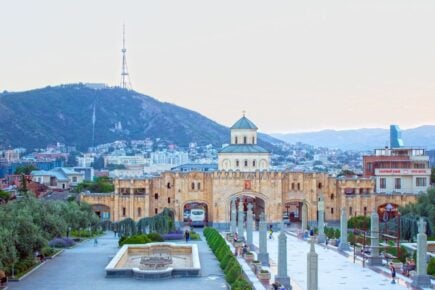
(125, 77)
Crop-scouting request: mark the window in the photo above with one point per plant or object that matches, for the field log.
(246, 163)
(419, 165)
(319, 185)
(350, 211)
(235, 140)
(420, 181)
(237, 163)
(244, 140)
(293, 186)
(156, 210)
(169, 200)
(299, 186)
(199, 186)
(253, 140)
(332, 196)
(139, 211)
(74, 179)
(123, 211)
(168, 185)
(156, 196)
(397, 183)
(332, 210)
(365, 211)
(383, 183)
(253, 163)
(193, 185)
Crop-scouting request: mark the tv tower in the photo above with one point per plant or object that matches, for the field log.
(125, 77)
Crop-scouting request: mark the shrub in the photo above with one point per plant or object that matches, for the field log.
(241, 284)
(47, 251)
(194, 236)
(136, 239)
(233, 273)
(24, 265)
(403, 253)
(155, 237)
(359, 222)
(431, 267)
(61, 243)
(225, 260)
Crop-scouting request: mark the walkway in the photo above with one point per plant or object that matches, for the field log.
(336, 272)
(82, 268)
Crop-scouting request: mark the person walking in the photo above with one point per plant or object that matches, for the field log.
(187, 236)
(393, 273)
(270, 233)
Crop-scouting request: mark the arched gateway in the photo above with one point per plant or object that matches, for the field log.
(258, 200)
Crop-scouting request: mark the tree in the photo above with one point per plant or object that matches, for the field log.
(4, 196)
(432, 176)
(25, 169)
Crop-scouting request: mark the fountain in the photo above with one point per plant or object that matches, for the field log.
(155, 261)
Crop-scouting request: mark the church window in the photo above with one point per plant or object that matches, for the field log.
(235, 140)
(253, 140)
(350, 211)
(246, 163)
(139, 211)
(320, 185)
(299, 186)
(253, 163)
(332, 210)
(169, 200)
(199, 186)
(237, 163)
(124, 211)
(169, 185)
(365, 211)
(193, 185)
(156, 210)
(156, 196)
(244, 140)
(293, 186)
(332, 196)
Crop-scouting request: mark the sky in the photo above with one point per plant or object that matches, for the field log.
(293, 66)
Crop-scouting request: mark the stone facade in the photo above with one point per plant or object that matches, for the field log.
(138, 198)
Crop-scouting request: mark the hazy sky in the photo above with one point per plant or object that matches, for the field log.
(292, 65)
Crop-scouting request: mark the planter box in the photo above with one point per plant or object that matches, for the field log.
(238, 244)
(256, 267)
(230, 237)
(333, 242)
(398, 266)
(263, 276)
(249, 258)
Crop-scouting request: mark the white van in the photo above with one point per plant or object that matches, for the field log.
(197, 217)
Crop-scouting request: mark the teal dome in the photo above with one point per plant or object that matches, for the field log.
(244, 123)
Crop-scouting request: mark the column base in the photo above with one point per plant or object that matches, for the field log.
(344, 246)
(321, 238)
(375, 261)
(285, 281)
(422, 281)
(264, 259)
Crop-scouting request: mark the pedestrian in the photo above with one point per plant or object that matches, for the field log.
(245, 250)
(270, 233)
(326, 243)
(393, 273)
(236, 237)
(187, 236)
(95, 242)
(311, 232)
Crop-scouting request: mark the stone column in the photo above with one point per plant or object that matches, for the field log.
(344, 245)
(282, 276)
(263, 255)
(249, 227)
(374, 259)
(233, 216)
(321, 224)
(312, 267)
(240, 231)
(304, 223)
(421, 279)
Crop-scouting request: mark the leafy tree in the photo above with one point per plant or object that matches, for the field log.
(25, 169)
(424, 207)
(101, 184)
(432, 176)
(4, 196)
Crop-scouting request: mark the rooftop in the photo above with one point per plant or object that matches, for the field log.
(243, 148)
(244, 123)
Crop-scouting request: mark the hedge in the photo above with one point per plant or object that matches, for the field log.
(228, 263)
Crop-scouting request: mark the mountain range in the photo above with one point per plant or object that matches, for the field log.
(36, 118)
(362, 139)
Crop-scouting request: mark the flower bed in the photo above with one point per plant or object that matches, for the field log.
(61, 243)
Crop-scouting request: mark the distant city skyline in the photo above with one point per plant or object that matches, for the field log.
(294, 67)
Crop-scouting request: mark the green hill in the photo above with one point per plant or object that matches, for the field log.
(36, 118)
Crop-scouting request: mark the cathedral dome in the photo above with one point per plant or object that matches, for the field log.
(244, 123)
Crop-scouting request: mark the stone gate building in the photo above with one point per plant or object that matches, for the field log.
(243, 175)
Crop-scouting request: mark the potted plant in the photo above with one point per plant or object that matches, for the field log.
(249, 257)
(230, 237)
(264, 275)
(256, 265)
(397, 264)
